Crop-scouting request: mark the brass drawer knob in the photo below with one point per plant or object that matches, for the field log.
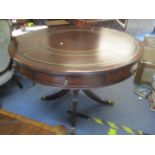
(66, 82)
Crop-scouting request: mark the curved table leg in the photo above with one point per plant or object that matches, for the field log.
(56, 95)
(96, 98)
(17, 82)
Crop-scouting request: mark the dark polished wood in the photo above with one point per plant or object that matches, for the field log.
(75, 93)
(17, 82)
(56, 95)
(96, 98)
(76, 58)
(71, 57)
(74, 106)
(87, 92)
(13, 124)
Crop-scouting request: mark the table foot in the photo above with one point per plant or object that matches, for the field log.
(72, 131)
(96, 98)
(17, 82)
(57, 95)
(73, 111)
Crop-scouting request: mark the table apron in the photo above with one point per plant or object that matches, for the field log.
(77, 81)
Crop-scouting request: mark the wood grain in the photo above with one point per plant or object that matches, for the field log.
(84, 57)
(13, 124)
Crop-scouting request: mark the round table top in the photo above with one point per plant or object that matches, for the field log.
(72, 50)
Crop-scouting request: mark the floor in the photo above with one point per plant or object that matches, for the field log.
(13, 124)
(128, 109)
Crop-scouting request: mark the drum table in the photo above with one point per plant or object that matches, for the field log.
(76, 59)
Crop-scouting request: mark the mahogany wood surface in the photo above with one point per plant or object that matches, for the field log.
(13, 124)
(71, 57)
